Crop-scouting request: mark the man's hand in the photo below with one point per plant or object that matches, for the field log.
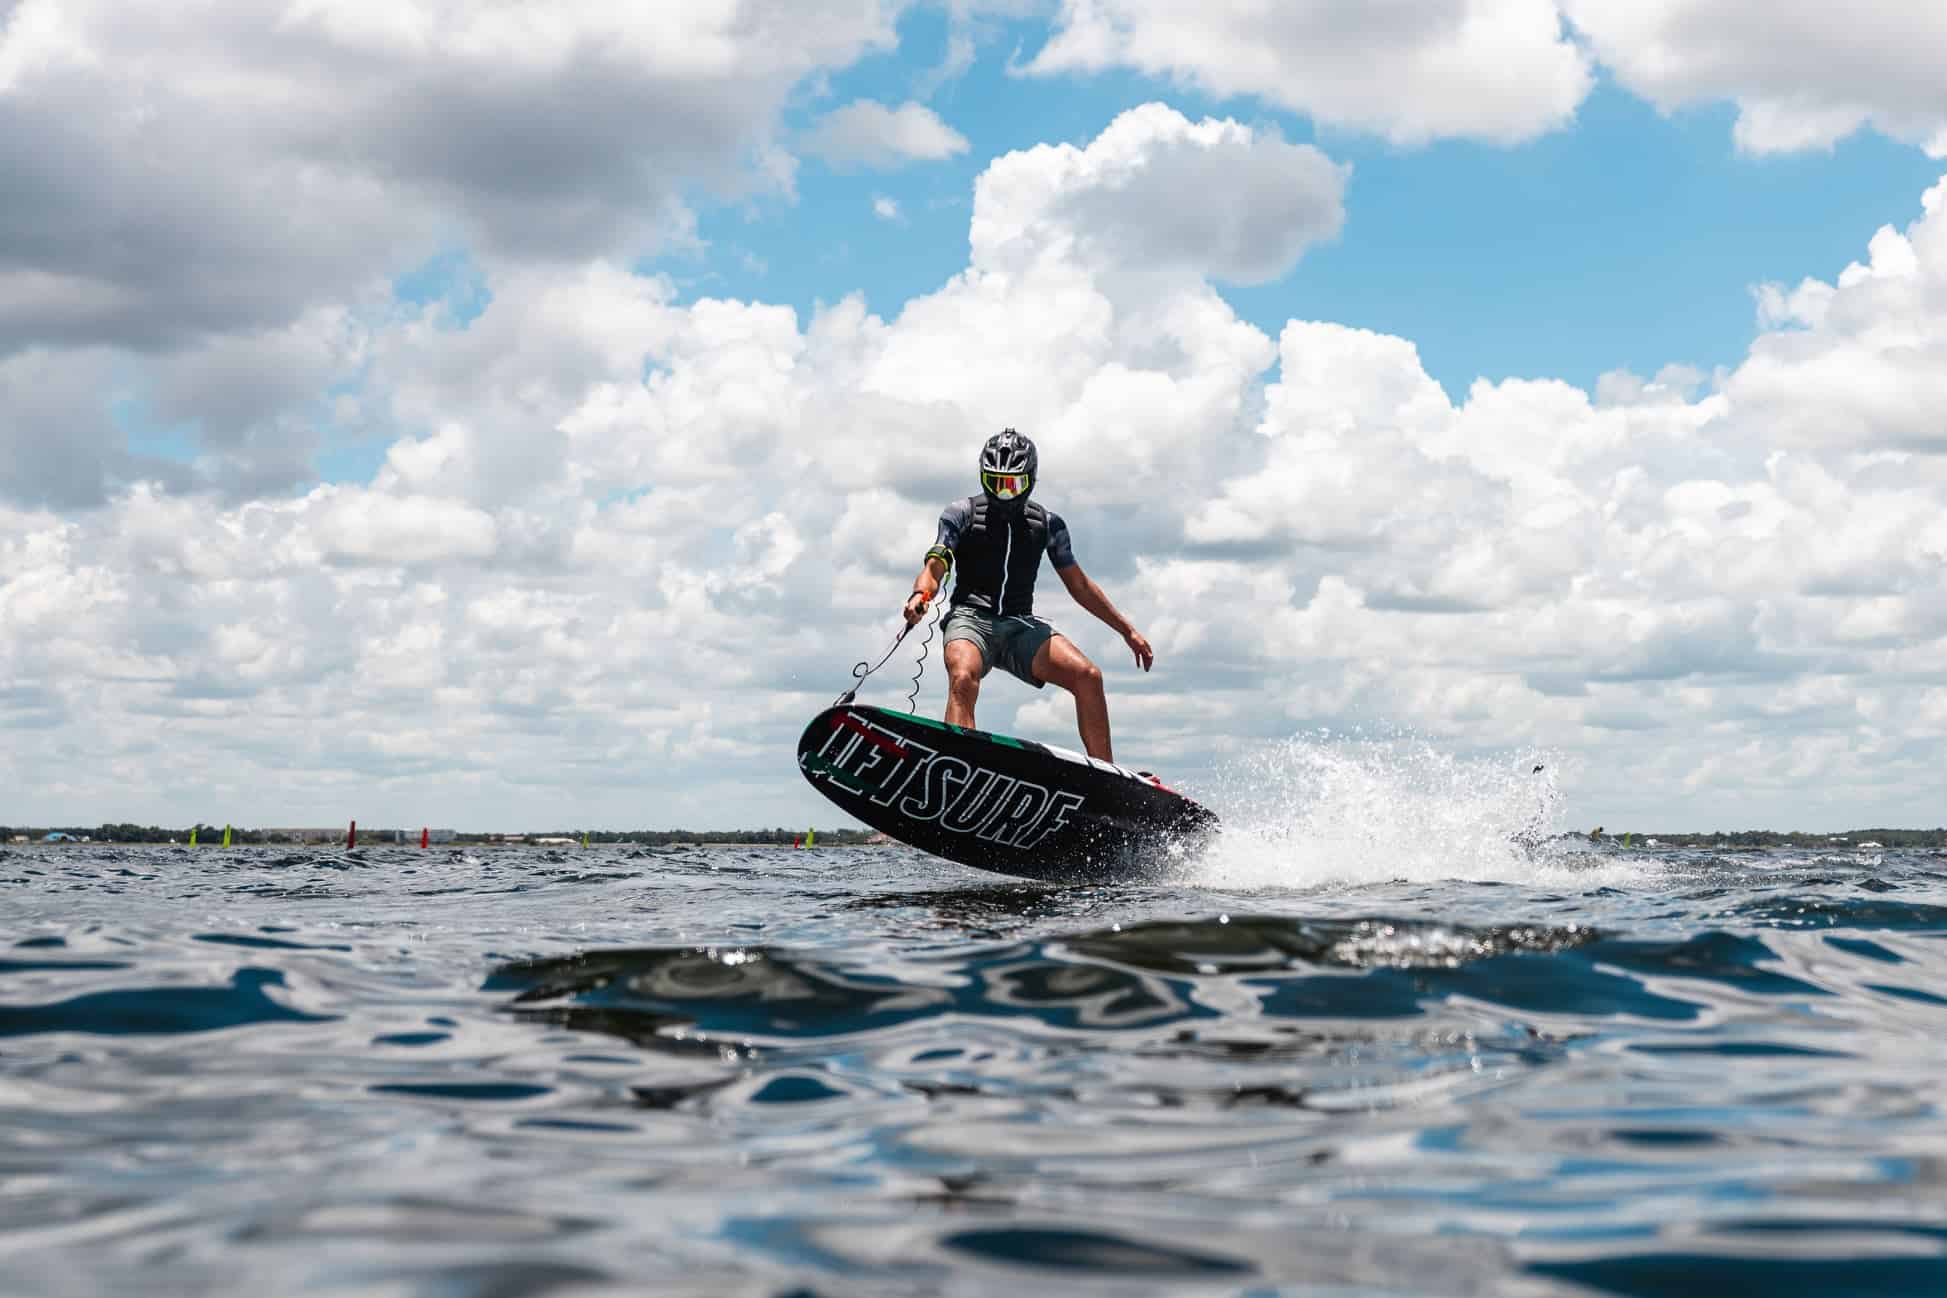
(1140, 647)
(915, 606)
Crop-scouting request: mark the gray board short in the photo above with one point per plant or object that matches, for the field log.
(1006, 642)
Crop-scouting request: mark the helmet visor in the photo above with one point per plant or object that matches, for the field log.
(1005, 486)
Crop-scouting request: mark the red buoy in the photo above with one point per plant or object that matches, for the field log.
(425, 837)
(351, 837)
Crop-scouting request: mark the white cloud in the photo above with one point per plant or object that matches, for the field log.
(195, 189)
(1137, 199)
(57, 441)
(1410, 70)
(885, 208)
(1803, 74)
(398, 531)
(206, 209)
(1663, 565)
(332, 131)
(479, 574)
(865, 133)
(1860, 364)
(631, 542)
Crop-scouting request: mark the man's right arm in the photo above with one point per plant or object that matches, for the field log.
(925, 587)
(939, 562)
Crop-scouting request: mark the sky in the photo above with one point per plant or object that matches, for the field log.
(505, 416)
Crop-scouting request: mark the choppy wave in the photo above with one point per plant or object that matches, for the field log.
(864, 1071)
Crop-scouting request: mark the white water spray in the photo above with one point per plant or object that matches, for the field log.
(1325, 808)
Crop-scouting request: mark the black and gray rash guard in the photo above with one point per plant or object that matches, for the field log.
(995, 552)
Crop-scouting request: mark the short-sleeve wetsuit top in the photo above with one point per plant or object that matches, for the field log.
(997, 551)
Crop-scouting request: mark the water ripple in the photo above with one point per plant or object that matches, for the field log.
(861, 1071)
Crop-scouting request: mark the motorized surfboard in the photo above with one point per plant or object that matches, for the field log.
(995, 802)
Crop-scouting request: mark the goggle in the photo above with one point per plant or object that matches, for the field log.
(1005, 486)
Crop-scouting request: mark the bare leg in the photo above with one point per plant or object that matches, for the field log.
(963, 664)
(1059, 662)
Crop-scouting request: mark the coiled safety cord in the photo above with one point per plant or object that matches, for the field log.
(919, 663)
(862, 669)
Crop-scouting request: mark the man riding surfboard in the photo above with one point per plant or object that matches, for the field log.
(993, 543)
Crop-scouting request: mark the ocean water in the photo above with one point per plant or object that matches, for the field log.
(1340, 1055)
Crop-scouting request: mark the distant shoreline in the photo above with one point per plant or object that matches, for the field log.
(212, 836)
(111, 835)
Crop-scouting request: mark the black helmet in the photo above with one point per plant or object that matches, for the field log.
(1007, 466)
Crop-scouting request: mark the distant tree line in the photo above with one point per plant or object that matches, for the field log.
(210, 834)
(1892, 838)
(673, 837)
(124, 833)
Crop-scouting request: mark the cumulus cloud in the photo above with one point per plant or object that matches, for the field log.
(1751, 579)
(601, 474)
(1803, 75)
(57, 442)
(275, 154)
(1143, 196)
(206, 210)
(1860, 364)
(1409, 70)
(209, 181)
(865, 133)
(631, 542)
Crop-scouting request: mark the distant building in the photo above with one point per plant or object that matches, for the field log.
(408, 836)
(336, 834)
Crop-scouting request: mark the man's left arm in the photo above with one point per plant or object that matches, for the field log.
(1061, 553)
(1090, 596)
